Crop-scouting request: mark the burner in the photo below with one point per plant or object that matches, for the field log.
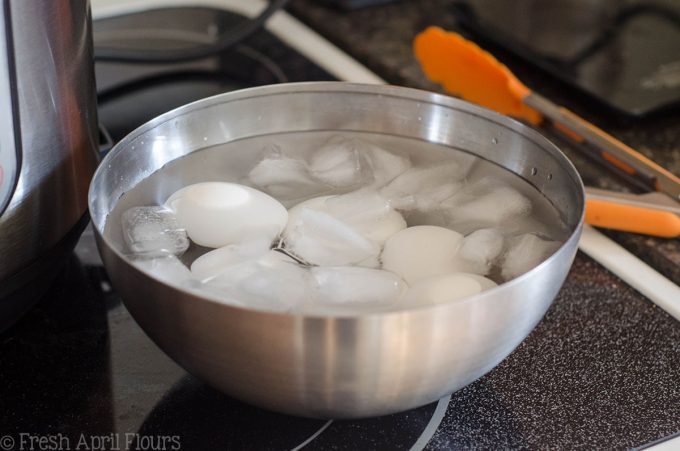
(132, 94)
(242, 426)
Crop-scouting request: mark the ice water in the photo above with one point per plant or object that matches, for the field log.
(427, 184)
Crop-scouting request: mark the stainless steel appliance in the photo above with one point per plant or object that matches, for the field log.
(331, 366)
(48, 137)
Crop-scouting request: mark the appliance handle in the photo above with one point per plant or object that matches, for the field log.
(10, 137)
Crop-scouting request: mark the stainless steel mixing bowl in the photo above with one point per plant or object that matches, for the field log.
(335, 366)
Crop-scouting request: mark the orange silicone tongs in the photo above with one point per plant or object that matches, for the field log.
(466, 70)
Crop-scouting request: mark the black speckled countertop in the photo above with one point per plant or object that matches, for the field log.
(600, 371)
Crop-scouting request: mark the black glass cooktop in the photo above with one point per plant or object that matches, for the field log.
(626, 53)
(600, 371)
(131, 94)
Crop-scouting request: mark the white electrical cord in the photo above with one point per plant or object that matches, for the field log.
(631, 270)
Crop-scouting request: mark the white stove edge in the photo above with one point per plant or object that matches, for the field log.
(294, 33)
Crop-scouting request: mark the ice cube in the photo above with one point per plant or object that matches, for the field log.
(553, 230)
(354, 286)
(287, 179)
(169, 269)
(480, 250)
(216, 293)
(429, 185)
(442, 289)
(217, 261)
(229, 291)
(269, 283)
(365, 212)
(340, 164)
(466, 161)
(153, 232)
(485, 203)
(386, 165)
(430, 199)
(524, 253)
(318, 238)
(315, 204)
(420, 252)
(358, 206)
(368, 212)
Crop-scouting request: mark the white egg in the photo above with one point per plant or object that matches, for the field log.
(442, 289)
(419, 252)
(484, 282)
(171, 202)
(217, 214)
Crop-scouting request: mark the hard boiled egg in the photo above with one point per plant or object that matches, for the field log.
(217, 214)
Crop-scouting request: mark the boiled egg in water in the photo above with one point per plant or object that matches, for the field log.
(217, 214)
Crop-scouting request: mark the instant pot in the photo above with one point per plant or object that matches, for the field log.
(48, 139)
